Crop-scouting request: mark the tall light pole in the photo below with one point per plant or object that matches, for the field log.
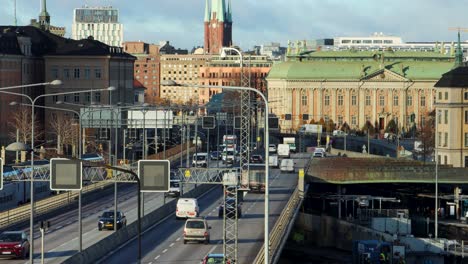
(33, 102)
(436, 223)
(266, 143)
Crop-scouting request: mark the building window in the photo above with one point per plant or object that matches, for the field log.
(466, 139)
(88, 97)
(439, 159)
(446, 95)
(97, 97)
(353, 100)
(382, 100)
(446, 116)
(340, 120)
(395, 100)
(440, 95)
(340, 100)
(304, 99)
(445, 139)
(439, 139)
(327, 100)
(353, 120)
(76, 97)
(465, 95)
(65, 98)
(327, 118)
(55, 98)
(97, 73)
(423, 100)
(423, 121)
(409, 100)
(368, 100)
(76, 73)
(87, 73)
(439, 117)
(445, 159)
(66, 73)
(54, 73)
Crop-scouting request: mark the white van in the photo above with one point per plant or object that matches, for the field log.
(339, 133)
(287, 165)
(200, 160)
(187, 208)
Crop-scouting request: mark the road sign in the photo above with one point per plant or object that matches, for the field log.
(187, 174)
(273, 123)
(237, 122)
(66, 175)
(1, 174)
(154, 175)
(208, 122)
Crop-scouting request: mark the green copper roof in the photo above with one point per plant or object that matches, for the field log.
(207, 12)
(217, 6)
(355, 66)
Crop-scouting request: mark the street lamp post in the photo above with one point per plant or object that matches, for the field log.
(436, 223)
(33, 102)
(266, 143)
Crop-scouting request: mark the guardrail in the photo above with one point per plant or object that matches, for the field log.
(23, 213)
(280, 227)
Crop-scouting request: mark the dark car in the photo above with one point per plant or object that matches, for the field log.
(215, 259)
(106, 220)
(15, 244)
(230, 206)
(215, 155)
(256, 159)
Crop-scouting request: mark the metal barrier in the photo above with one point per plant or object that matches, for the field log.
(280, 227)
(23, 213)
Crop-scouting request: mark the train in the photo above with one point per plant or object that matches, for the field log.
(16, 193)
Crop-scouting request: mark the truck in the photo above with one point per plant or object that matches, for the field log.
(310, 129)
(291, 141)
(283, 151)
(256, 177)
(273, 161)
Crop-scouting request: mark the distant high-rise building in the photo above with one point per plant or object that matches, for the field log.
(218, 26)
(44, 22)
(102, 23)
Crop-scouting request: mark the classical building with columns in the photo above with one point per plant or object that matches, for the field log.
(355, 87)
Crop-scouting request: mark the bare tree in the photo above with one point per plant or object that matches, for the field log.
(21, 122)
(427, 136)
(66, 131)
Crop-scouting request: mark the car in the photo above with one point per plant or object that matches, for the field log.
(339, 133)
(256, 159)
(174, 188)
(187, 208)
(287, 165)
(214, 258)
(200, 160)
(215, 155)
(230, 203)
(106, 220)
(318, 154)
(197, 229)
(272, 148)
(15, 244)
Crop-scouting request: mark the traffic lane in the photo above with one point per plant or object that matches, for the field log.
(161, 236)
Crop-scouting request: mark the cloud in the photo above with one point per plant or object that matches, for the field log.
(261, 21)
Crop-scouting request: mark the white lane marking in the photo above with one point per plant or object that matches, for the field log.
(171, 245)
(165, 250)
(150, 263)
(58, 227)
(178, 239)
(157, 257)
(212, 249)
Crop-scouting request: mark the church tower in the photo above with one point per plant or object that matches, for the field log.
(44, 17)
(218, 26)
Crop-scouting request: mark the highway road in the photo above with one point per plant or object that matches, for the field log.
(164, 242)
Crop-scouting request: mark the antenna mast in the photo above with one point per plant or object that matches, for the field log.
(14, 11)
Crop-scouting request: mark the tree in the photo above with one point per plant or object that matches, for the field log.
(391, 127)
(427, 136)
(368, 127)
(329, 126)
(66, 131)
(345, 127)
(21, 121)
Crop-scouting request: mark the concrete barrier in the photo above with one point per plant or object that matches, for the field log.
(113, 241)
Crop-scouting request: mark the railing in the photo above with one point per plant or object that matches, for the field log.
(280, 227)
(456, 247)
(23, 213)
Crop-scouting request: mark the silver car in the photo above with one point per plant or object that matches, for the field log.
(197, 229)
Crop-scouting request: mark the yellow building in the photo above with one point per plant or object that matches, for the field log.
(355, 87)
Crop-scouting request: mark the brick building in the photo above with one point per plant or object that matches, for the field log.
(218, 26)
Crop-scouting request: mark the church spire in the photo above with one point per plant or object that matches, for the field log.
(217, 6)
(207, 12)
(44, 17)
(44, 9)
(458, 53)
(229, 12)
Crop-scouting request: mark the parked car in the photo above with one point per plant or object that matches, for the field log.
(256, 159)
(215, 155)
(339, 133)
(14, 244)
(215, 259)
(106, 220)
(230, 205)
(197, 229)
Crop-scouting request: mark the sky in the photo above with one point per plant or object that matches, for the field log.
(262, 21)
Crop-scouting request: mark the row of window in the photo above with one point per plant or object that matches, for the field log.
(409, 100)
(76, 73)
(76, 97)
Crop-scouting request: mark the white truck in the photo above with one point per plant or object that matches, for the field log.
(310, 129)
(291, 141)
(273, 161)
(283, 151)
